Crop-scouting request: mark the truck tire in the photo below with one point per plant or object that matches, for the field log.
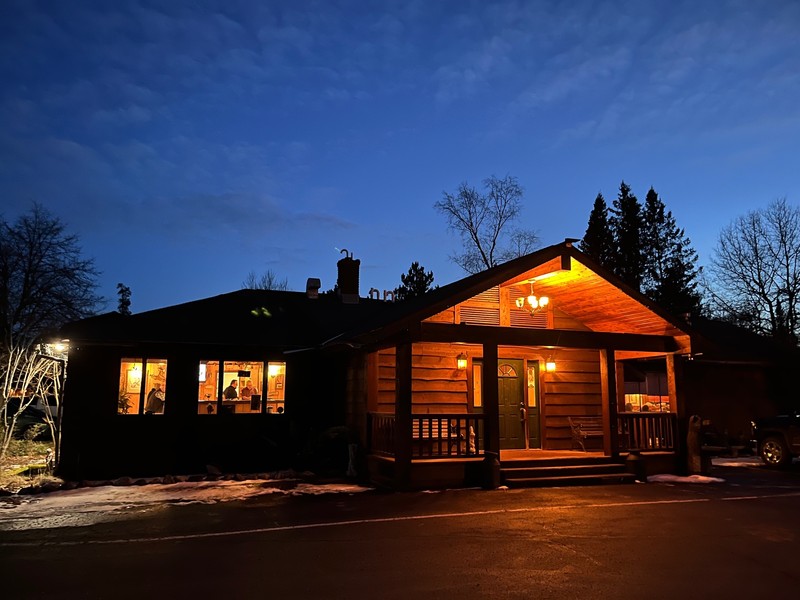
(773, 452)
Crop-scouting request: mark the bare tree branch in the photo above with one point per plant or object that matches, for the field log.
(483, 221)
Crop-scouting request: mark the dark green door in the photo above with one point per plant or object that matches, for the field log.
(511, 401)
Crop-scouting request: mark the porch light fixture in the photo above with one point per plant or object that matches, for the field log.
(461, 361)
(550, 364)
(532, 303)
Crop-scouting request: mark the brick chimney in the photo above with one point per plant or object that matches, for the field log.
(348, 278)
(312, 287)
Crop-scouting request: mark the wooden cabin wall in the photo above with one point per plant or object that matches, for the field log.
(574, 389)
(438, 385)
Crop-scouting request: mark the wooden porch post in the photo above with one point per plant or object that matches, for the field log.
(677, 404)
(609, 378)
(402, 417)
(491, 418)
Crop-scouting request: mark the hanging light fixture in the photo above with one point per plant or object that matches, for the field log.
(532, 303)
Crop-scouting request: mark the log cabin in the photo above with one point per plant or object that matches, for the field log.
(470, 384)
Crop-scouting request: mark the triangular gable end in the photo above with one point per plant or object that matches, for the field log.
(581, 298)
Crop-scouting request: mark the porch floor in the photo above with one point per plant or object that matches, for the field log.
(536, 454)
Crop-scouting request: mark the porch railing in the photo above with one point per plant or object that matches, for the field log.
(461, 435)
(647, 431)
(432, 435)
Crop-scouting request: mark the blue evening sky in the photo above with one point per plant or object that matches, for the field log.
(189, 143)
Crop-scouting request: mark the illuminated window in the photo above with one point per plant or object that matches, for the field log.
(208, 384)
(276, 387)
(238, 387)
(533, 380)
(142, 386)
(477, 384)
(130, 386)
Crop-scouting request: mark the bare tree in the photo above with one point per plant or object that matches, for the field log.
(484, 221)
(266, 281)
(44, 283)
(755, 272)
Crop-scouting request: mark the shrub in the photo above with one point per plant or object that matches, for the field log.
(35, 432)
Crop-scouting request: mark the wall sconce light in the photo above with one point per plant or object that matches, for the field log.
(532, 303)
(461, 361)
(550, 365)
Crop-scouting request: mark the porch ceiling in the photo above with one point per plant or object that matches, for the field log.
(593, 300)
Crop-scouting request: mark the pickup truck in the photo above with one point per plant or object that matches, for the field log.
(777, 439)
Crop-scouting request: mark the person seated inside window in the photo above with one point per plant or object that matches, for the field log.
(248, 390)
(230, 391)
(155, 400)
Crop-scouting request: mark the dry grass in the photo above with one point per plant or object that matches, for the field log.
(24, 465)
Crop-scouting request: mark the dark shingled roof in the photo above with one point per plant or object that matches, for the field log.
(246, 317)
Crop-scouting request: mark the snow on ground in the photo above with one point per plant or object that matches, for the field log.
(739, 461)
(89, 505)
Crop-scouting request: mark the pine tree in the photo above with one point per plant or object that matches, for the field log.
(598, 241)
(124, 302)
(627, 224)
(415, 283)
(669, 261)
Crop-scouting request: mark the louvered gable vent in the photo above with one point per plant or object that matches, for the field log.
(476, 315)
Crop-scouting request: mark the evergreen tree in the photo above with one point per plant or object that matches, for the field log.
(415, 283)
(669, 275)
(598, 241)
(627, 225)
(124, 302)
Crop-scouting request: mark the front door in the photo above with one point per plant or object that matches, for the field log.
(511, 403)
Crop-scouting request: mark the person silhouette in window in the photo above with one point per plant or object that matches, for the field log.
(230, 391)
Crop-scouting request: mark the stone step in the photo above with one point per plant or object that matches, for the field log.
(570, 480)
(563, 470)
(544, 475)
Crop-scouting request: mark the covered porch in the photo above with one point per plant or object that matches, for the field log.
(449, 450)
(481, 367)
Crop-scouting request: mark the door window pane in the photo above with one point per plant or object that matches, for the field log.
(477, 384)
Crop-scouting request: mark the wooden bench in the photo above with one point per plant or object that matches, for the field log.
(583, 428)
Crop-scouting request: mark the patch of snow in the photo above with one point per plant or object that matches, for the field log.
(739, 461)
(86, 505)
(683, 479)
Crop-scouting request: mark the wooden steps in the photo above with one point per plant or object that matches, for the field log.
(558, 472)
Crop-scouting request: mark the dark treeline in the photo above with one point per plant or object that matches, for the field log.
(643, 246)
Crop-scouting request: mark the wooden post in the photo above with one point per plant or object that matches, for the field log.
(402, 417)
(491, 423)
(610, 387)
(677, 404)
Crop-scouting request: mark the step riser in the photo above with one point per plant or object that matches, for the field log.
(556, 462)
(571, 481)
(562, 471)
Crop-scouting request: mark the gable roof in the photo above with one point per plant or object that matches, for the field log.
(574, 282)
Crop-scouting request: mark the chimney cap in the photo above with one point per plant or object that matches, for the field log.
(312, 287)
